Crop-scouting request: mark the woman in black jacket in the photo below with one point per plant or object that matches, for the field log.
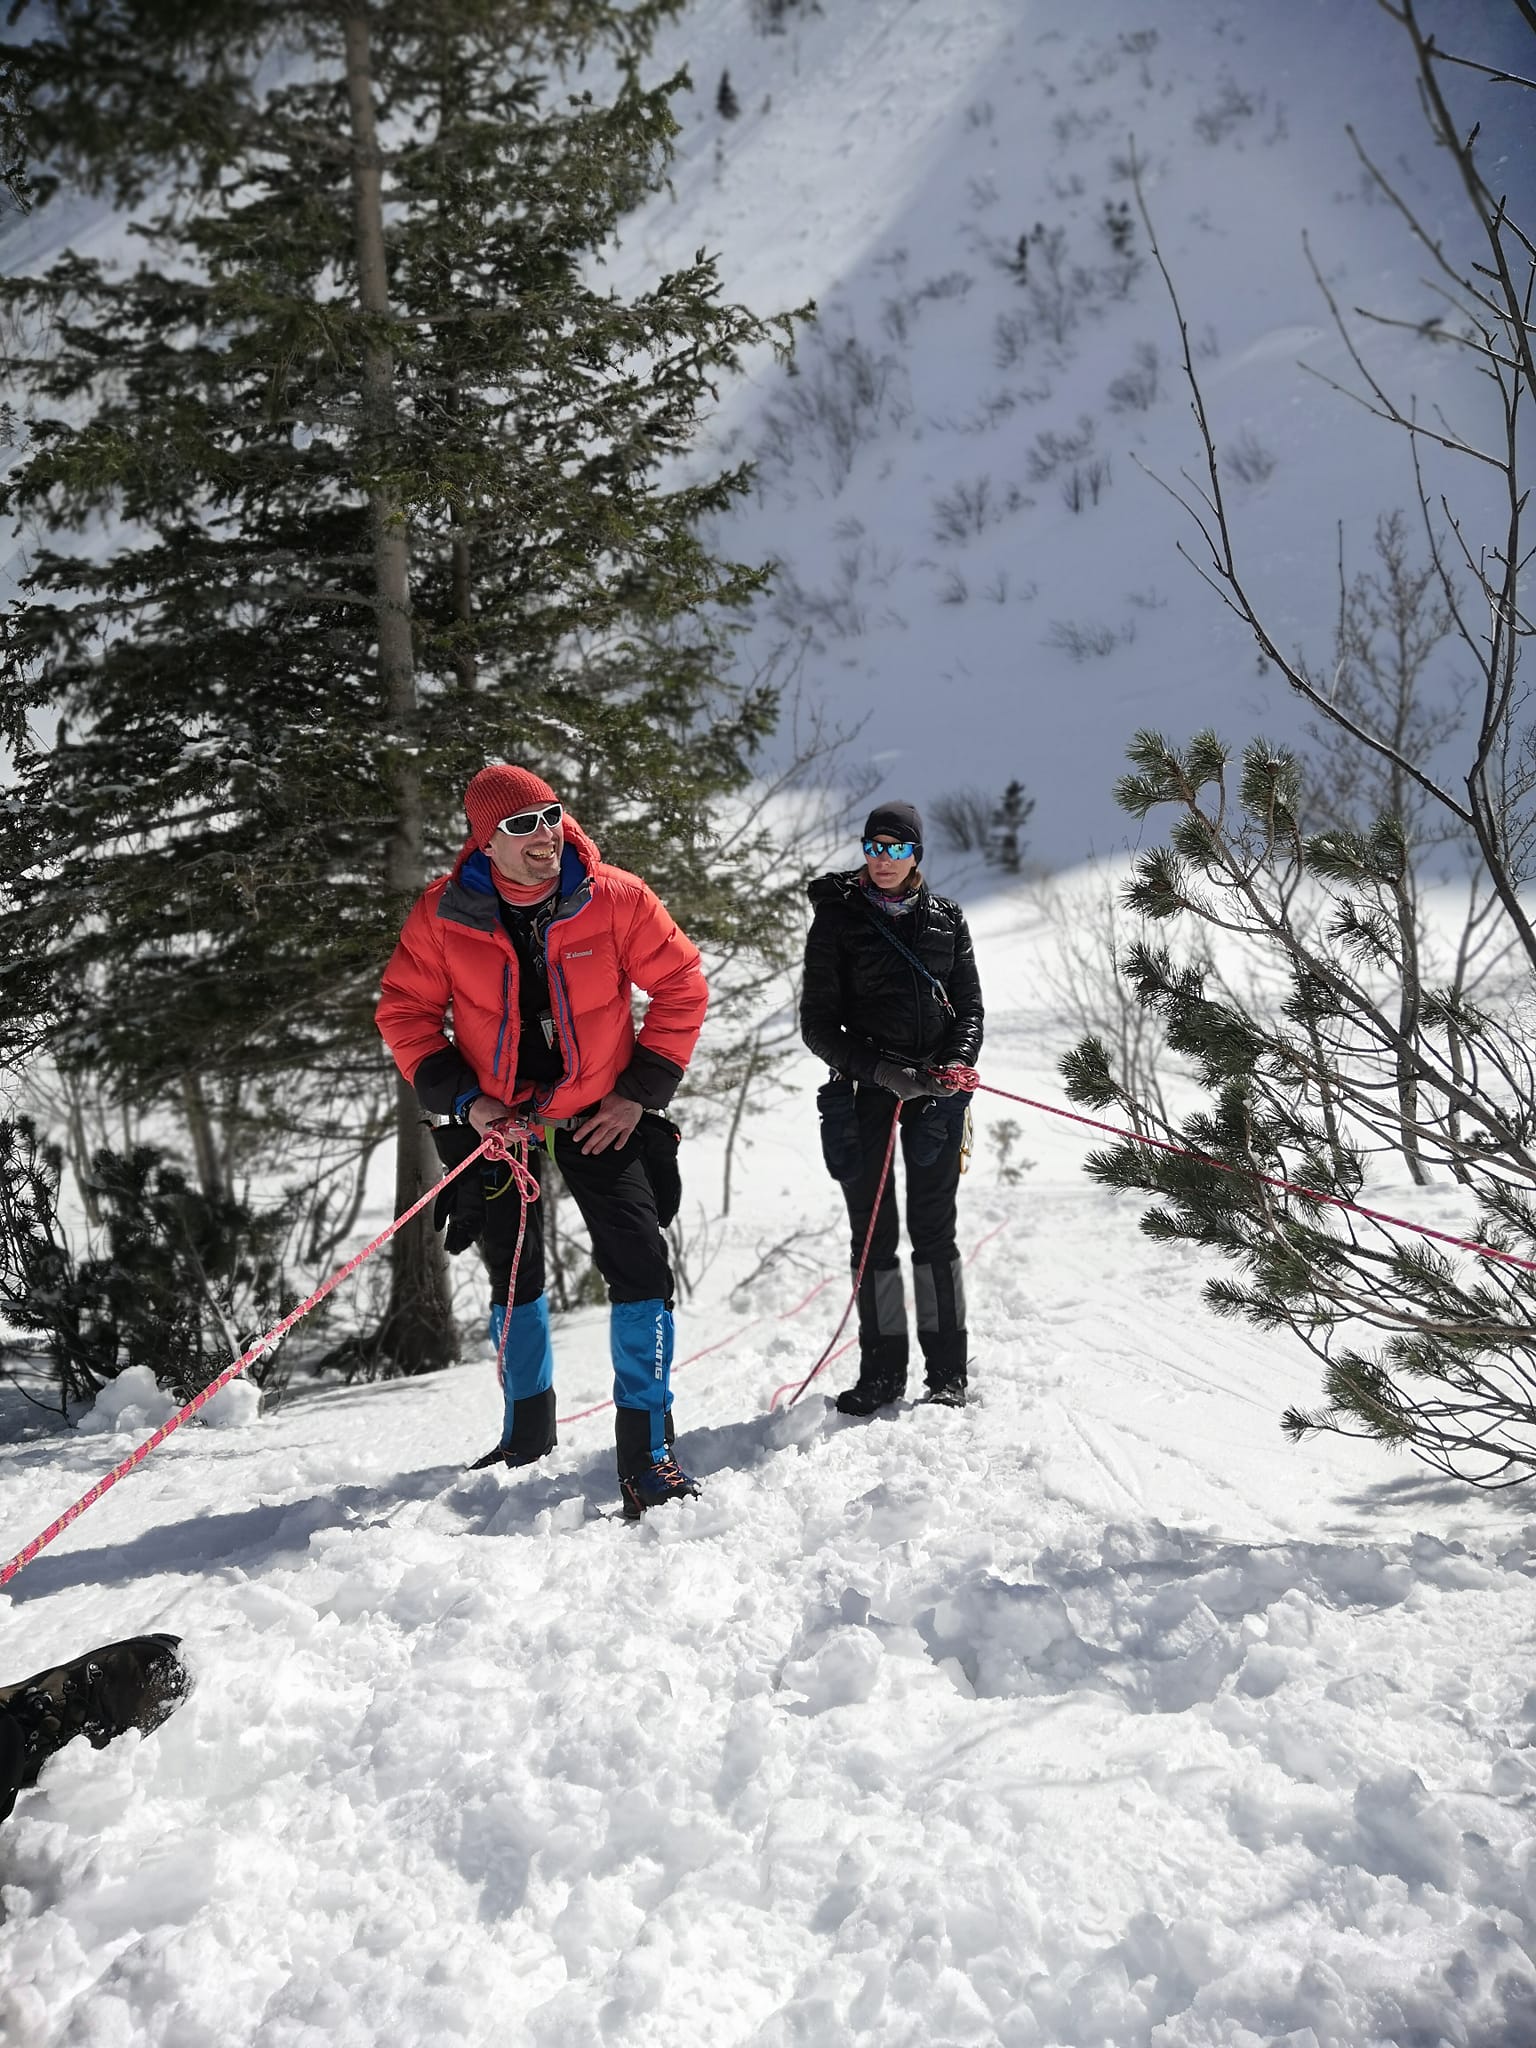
(891, 1001)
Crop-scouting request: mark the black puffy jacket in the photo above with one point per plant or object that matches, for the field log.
(863, 1002)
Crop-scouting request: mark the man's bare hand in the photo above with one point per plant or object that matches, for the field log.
(486, 1110)
(615, 1118)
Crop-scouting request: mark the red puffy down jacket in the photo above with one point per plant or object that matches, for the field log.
(456, 969)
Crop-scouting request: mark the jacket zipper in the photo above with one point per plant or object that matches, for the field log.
(561, 1005)
(568, 1052)
(506, 1011)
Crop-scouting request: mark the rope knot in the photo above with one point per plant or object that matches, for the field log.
(507, 1143)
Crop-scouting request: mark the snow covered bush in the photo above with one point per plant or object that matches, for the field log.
(169, 1284)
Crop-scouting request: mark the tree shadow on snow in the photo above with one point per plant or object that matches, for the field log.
(1462, 1513)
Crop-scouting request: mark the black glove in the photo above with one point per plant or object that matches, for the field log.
(904, 1082)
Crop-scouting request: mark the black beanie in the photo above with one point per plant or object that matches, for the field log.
(896, 821)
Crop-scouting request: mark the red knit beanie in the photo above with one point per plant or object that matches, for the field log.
(500, 792)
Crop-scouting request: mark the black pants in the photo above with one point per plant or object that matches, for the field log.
(614, 1194)
(931, 1134)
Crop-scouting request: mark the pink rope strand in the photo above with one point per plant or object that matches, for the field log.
(970, 1079)
(514, 1151)
(494, 1146)
(970, 1259)
(869, 1238)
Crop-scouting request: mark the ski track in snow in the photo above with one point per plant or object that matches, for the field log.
(1094, 1715)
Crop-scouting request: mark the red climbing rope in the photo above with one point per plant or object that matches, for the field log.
(869, 1238)
(971, 1080)
(720, 1343)
(510, 1141)
(514, 1151)
(496, 1145)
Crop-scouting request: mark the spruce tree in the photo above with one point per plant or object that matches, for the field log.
(727, 105)
(351, 482)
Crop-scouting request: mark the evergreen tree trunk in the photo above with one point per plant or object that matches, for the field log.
(463, 610)
(205, 1148)
(417, 1333)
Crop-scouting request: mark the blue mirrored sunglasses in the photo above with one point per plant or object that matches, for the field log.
(522, 823)
(890, 849)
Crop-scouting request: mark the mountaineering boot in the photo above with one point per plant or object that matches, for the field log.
(882, 1344)
(882, 1376)
(649, 1475)
(663, 1481)
(945, 1363)
(640, 1338)
(527, 1373)
(871, 1391)
(132, 1684)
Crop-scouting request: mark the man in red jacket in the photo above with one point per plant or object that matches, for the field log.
(510, 991)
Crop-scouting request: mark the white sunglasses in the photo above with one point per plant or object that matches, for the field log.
(522, 823)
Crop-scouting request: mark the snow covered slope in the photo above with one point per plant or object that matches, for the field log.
(919, 474)
(1092, 1715)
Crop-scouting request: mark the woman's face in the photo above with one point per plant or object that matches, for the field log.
(887, 872)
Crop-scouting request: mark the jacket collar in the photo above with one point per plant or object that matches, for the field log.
(844, 888)
(471, 899)
(474, 873)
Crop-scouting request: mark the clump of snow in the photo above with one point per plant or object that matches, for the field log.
(135, 1404)
(233, 1407)
(132, 1404)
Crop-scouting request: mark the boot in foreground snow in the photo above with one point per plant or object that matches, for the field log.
(654, 1486)
(948, 1393)
(870, 1391)
(132, 1684)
